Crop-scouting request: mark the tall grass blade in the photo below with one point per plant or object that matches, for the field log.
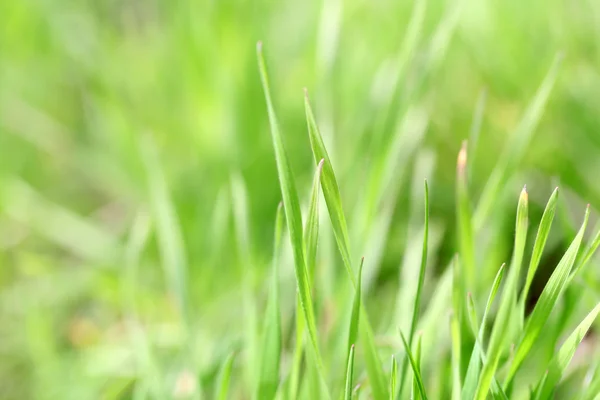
(561, 360)
(507, 305)
(355, 316)
(311, 232)
(293, 215)
(268, 379)
(553, 289)
(393, 378)
(465, 227)
(415, 382)
(456, 344)
(349, 373)
(338, 221)
(415, 368)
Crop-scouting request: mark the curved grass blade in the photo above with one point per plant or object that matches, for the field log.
(311, 231)
(474, 368)
(538, 247)
(415, 383)
(293, 216)
(349, 373)
(561, 360)
(507, 305)
(333, 201)
(393, 378)
(415, 368)
(516, 146)
(553, 289)
(268, 379)
(222, 388)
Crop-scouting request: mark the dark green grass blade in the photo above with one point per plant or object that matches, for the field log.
(561, 360)
(338, 221)
(507, 305)
(415, 368)
(293, 215)
(222, 388)
(547, 301)
(349, 373)
(268, 379)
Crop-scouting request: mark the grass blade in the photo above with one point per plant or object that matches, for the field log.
(516, 146)
(455, 334)
(293, 215)
(561, 360)
(333, 201)
(349, 373)
(311, 232)
(268, 379)
(393, 378)
(553, 289)
(474, 368)
(507, 305)
(538, 247)
(222, 387)
(355, 316)
(415, 383)
(465, 226)
(415, 368)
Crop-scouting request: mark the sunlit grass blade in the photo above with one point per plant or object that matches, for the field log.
(474, 368)
(393, 378)
(465, 227)
(538, 247)
(500, 329)
(268, 379)
(311, 231)
(222, 388)
(415, 368)
(338, 221)
(355, 316)
(516, 146)
(415, 382)
(422, 270)
(293, 215)
(561, 360)
(455, 335)
(349, 373)
(553, 289)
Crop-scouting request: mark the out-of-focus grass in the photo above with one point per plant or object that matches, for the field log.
(138, 184)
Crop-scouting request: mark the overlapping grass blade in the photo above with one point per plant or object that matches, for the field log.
(415, 382)
(311, 231)
(222, 388)
(507, 305)
(349, 373)
(553, 289)
(516, 146)
(561, 360)
(415, 368)
(293, 215)
(538, 247)
(474, 368)
(268, 379)
(338, 221)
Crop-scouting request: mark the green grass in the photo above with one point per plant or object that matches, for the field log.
(184, 217)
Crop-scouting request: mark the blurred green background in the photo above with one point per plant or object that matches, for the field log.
(150, 114)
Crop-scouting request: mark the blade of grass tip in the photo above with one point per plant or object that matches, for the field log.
(456, 345)
(422, 270)
(465, 226)
(587, 255)
(516, 146)
(415, 383)
(355, 316)
(548, 299)
(561, 360)
(393, 378)
(415, 368)
(268, 379)
(170, 241)
(333, 201)
(311, 233)
(497, 341)
(474, 368)
(222, 388)
(538, 247)
(293, 215)
(349, 373)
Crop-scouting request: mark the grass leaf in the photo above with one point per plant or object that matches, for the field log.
(311, 232)
(293, 215)
(393, 378)
(349, 373)
(355, 316)
(456, 344)
(465, 227)
(415, 368)
(224, 377)
(415, 382)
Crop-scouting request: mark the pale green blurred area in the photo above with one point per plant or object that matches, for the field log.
(87, 87)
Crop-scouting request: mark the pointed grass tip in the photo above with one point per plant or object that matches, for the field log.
(305, 92)
(524, 195)
(259, 46)
(320, 165)
(462, 157)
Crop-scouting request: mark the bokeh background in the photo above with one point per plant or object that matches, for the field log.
(125, 118)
